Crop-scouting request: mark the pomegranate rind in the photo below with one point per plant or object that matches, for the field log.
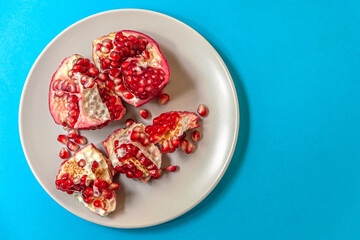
(104, 171)
(157, 59)
(122, 135)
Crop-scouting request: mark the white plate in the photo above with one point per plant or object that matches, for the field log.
(198, 75)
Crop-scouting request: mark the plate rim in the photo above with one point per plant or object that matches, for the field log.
(229, 79)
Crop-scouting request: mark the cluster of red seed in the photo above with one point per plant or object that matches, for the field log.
(162, 124)
(121, 48)
(131, 152)
(74, 135)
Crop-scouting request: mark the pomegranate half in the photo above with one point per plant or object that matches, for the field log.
(77, 99)
(88, 177)
(136, 66)
(132, 154)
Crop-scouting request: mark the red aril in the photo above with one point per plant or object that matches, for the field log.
(171, 168)
(129, 122)
(195, 136)
(64, 153)
(144, 69)
(72, 146)
(202, 110)
(164, 98)
(63, 139)
(144, 113)
(80, 140)
(77, 179)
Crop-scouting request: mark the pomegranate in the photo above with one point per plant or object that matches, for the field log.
(132, 154)
(168, 128)
(78, 100)
(136, 67)
(88, 177)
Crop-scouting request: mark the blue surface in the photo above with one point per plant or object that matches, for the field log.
(295, 171)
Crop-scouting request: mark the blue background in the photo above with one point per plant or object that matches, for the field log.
(295, 171)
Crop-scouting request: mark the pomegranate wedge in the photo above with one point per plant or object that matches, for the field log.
(88, 177)
(168, 128)
(136, 67)
(132, 154)
(78, 100)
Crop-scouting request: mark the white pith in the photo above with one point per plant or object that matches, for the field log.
(93, 105)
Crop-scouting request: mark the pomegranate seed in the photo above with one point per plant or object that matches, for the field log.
(164, 98)
(128, 95)
(65, 176)
(72, 146)
(97, 203)
(89, 83)
(88, 192)
(189, 147)
(202, 110)
(165, 146)
(104, 49)
(139, 174)
(63, 139)
(195, 136)
(73, 133)
(154, 173)
(114, 72)
(175, 142)
(129, 122)
(184, 144)
(107, 194)
(81, 140)
(129, 174)
(107, 43)
(64, 153)
(88, 200)
(93, 71)
(144, 113)
(94, 167)
(70, 192)
(103, 76)
(114, 186)
(82, 163)
(115, 56)
(98, 183)
(171, 168)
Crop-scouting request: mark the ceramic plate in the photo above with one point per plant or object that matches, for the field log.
(198, 75)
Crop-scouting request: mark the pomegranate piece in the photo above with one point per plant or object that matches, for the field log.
(94, 189)
(144, 113)
(202, 110)
(132, 154)
(135, 64)
(169, 127)
(77, 100)
(164, 98)
(195, 136)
